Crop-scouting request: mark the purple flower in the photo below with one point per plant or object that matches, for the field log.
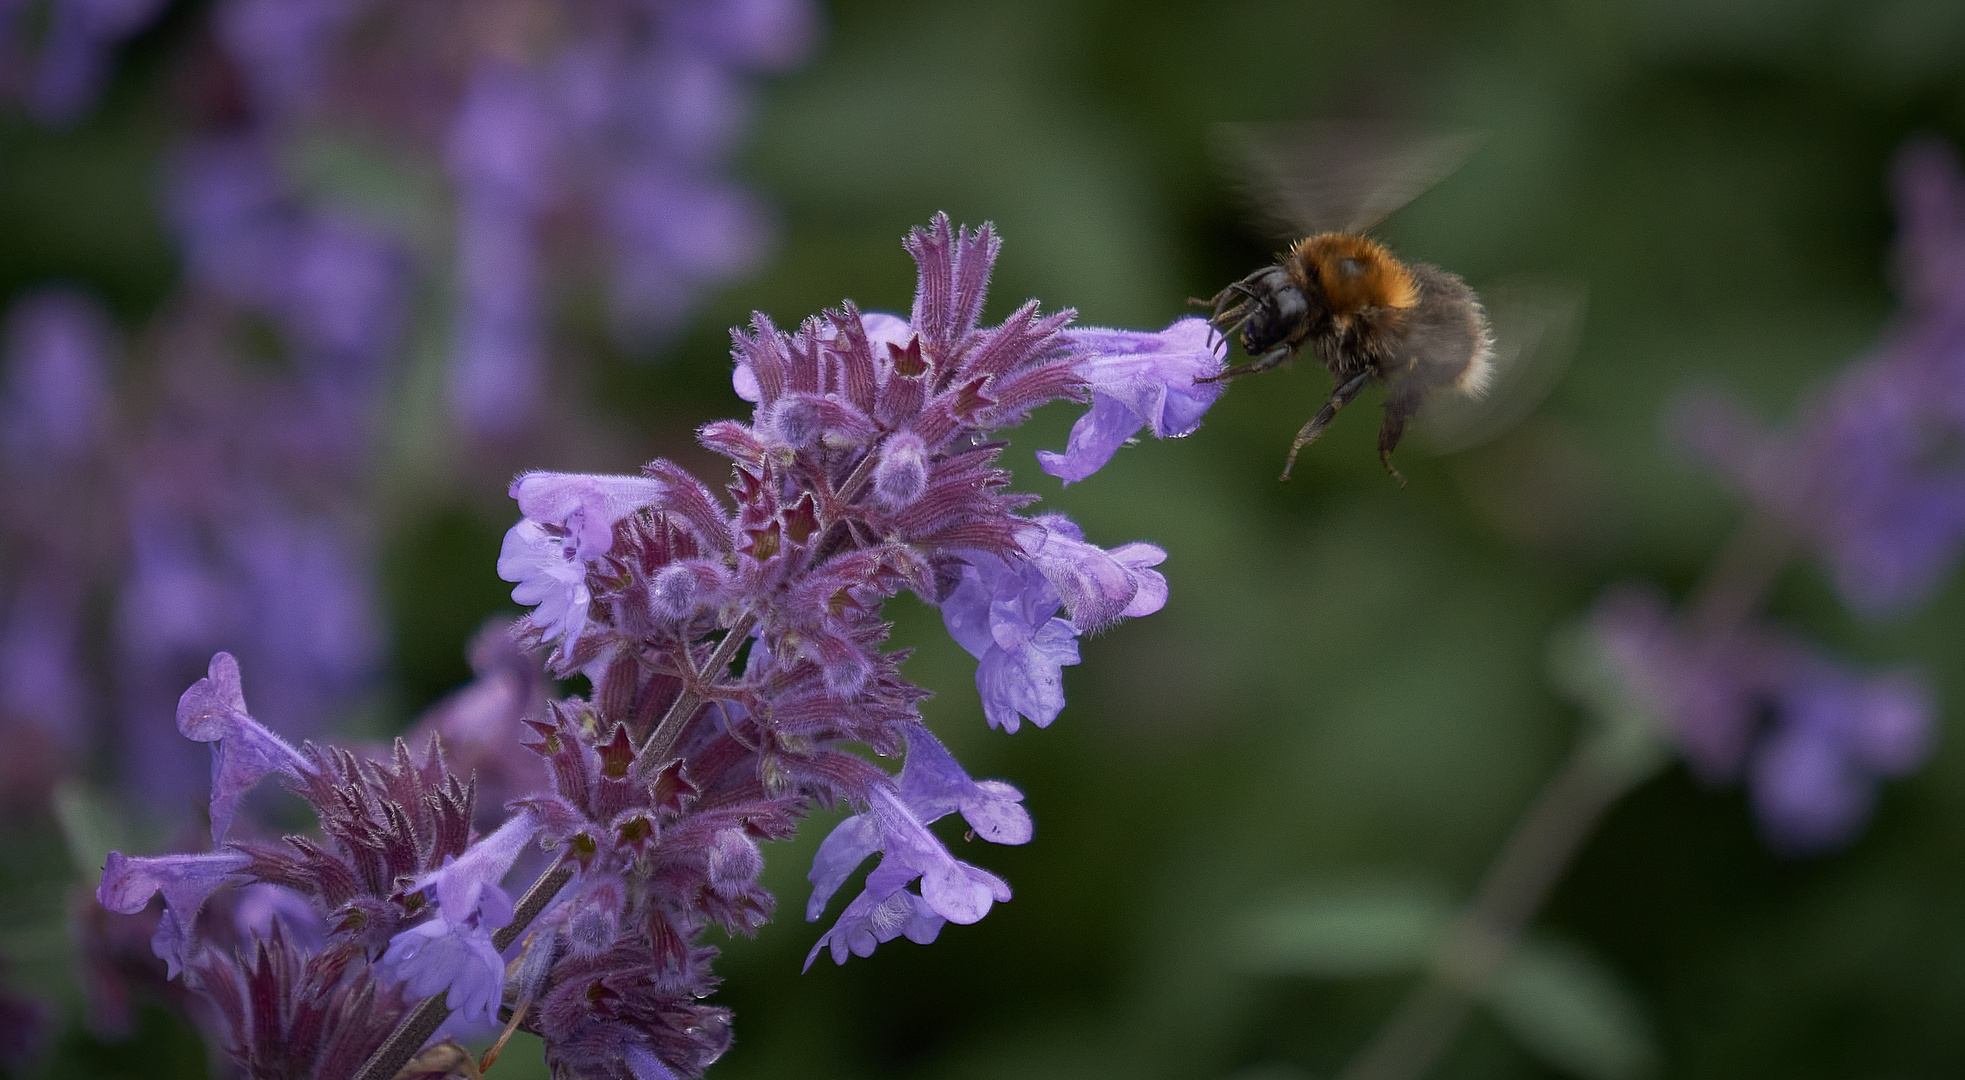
(501, 152)
(186, 881)
(1866, 474)
(585, 506)
(213, 711)
(1811, 738)
(452, 953)
(950, 890)
(1006, 614)
(1138, 380)
(74, 58)
(257, 907)
(57, 386)
(569, 523)
(285, 46)
(932, 786)
(735, 646)
(42, 677)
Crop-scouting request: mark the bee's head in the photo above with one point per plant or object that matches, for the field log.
(1355, 272)
(1277, 308)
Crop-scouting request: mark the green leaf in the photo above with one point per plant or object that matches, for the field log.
(1359, 929)
(90, 827)
(1572, 1012)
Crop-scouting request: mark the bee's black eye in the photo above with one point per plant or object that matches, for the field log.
(1350, 268)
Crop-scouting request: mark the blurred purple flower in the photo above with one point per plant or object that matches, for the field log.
(1870, 474)
(284, 46)
(58, 345)
(1811, 738)
(502, 151)
(72, 63)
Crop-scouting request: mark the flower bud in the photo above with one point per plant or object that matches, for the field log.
(901, 476)
(672, 592)
(797, 420)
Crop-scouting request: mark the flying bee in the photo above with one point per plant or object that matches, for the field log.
(1364, 314)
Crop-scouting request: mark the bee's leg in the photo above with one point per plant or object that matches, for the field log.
(1274, 357)
(1339, 398)
(1400, 405)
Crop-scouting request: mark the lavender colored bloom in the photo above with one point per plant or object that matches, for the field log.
(1866, 475)
(258, 907)
(1811, 738)
(950, 890)
(1007, 614)
(585, 506)
(501, 151)
(932, 786)
(284, 46)
(41, 673)
(479, 723)
(569, 523)
(185, 880)
(325, 919)
(551, 580)
(865, 470)
(1138, 380)
(74, 58)
(213, 711)
(57, 384)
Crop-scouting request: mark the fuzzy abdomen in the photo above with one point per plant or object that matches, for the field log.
(1446, 342)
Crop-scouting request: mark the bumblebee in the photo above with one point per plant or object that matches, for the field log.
(1364, 315)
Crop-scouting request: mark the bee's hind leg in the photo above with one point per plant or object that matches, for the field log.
(1400, 405)
(1339, 398)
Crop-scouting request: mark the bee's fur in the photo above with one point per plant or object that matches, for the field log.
(1367, 317)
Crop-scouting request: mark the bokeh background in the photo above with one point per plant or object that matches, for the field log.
(1349, 683)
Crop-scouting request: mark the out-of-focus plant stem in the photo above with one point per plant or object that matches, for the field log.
(1600, 770)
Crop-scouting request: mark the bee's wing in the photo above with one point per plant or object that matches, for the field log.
(1535, 328)
(1308, 178)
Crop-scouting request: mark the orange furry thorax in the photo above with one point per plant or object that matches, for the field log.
(1355, 272)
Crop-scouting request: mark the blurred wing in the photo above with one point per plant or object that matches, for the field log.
(1535, 328)
(1303, 179)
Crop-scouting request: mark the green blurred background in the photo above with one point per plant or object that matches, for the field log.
(1349, 681)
